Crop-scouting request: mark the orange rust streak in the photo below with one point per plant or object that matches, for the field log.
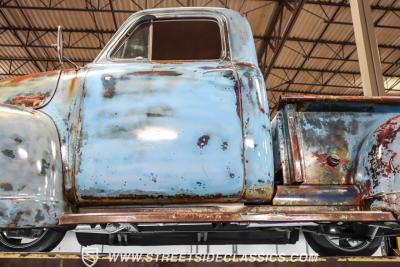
(72, 86)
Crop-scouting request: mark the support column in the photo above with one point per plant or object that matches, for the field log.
(367, 48)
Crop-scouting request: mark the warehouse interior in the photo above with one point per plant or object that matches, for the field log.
(304, 48)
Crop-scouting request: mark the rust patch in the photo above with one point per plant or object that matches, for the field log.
(29, 100)
(322, 159)
(8, 153)
(256, 193)
(150, 199)
(244, 64)
(385, 136)
(72, 87)
(6, 186)
(203, 141)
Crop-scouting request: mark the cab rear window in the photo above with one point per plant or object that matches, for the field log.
(183, 39)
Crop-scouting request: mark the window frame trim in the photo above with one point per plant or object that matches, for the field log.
(220, 20)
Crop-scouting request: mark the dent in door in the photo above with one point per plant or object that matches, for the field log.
(154, 133)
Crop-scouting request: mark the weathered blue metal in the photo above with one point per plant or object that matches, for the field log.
(343, 141)
(33, 90)
(160, 132)
(140, 131)
(379, 168)
(258, 161)
(31, 170)
(218, 165)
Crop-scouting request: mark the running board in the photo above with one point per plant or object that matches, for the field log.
(263, 214)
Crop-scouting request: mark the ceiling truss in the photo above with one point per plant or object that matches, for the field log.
(276, 37)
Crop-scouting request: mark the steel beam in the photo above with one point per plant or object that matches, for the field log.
(47, 59)
(277, 13)
(54, 29)
(345, 72)
(285, 35)
(323, 41)
(367, 48)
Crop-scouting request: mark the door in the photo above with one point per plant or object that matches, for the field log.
(160, 132)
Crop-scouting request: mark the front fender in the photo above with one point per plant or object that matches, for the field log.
(31, 192)
(33, 90)
(378, 173)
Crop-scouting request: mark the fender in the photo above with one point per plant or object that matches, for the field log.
(31, 187)
(33, 90)
(378, 173)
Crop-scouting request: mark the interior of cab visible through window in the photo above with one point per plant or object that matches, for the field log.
(172, 39)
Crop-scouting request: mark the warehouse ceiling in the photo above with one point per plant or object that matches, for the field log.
(303, 46)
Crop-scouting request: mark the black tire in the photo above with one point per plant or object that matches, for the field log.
(324, 247)
(44, 243)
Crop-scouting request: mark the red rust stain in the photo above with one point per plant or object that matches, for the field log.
(322, 160)
(383, 167)
(244, 64)
(388, 131)
(72, 86)
(29, 100)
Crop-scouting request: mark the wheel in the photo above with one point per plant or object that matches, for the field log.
(30, 240)
(337, 246)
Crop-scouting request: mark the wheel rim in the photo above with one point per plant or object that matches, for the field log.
(347, 244)
(28, 239)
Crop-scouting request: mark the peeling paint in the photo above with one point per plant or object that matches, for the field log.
(33, 90)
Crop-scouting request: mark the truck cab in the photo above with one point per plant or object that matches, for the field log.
(166, 136)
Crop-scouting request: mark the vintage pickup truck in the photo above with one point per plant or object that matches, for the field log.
(166, 139)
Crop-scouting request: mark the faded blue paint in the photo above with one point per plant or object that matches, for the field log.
(64, 109)
(257, 135)
(31, 170)
(34, 90)
(160, 131)
(107, 128)
(378, 173)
